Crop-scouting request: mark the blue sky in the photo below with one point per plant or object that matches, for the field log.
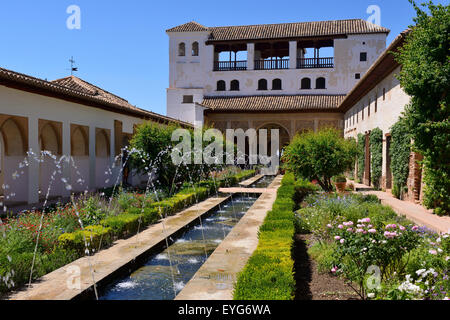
(122, 45)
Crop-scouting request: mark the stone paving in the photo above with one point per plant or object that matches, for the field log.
(249, 182)
(56, 285)
(216, 278)
(412, 211)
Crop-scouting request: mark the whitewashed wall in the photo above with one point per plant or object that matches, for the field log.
(33, 106)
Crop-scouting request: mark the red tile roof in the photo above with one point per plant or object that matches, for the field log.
(79, 91)
(284, 30)
(278, 103)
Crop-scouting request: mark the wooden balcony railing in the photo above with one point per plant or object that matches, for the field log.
(230, 65)
(309, 63)
(271, 64)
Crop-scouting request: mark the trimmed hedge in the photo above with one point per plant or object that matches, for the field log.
(268, 274)
(127, 223)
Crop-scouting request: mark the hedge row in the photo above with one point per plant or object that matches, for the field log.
(128, 223)
(268, 274)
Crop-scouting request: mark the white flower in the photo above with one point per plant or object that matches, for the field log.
(371, 295)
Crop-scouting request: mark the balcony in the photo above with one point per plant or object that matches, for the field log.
(312, 63)
(276, 64)
(230, 65)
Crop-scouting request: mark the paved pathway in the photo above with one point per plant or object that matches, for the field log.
(54, 286)
(249, 182)
(412, 211)
(216, 278)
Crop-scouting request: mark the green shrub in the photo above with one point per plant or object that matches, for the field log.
(123, 224)
(323, 254)
(88, 240)
(268, 274)
(320, 156)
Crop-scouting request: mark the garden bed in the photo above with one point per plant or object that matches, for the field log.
(379, 254)
(87, 225)
(312, 284)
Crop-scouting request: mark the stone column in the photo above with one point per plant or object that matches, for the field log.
(33, 166)
(292, 54)
(92, 158)
(250, 56)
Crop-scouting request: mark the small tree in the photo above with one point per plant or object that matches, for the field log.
(425, 77)
(320, 156)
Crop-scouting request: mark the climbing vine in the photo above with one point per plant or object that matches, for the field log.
(425, 78)
(376, 151)
(361, 152)
(400, 150)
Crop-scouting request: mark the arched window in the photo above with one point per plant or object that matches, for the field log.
(320, 83)
(234, 85)
(262, 84)
(305, 83)
(181, 49)
(195, 49)
(276, 84)
(221, 86)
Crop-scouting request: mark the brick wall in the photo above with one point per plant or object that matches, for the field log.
(414, 182)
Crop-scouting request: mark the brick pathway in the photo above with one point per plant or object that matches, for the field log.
(414, 212)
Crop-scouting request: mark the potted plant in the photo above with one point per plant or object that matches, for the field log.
(340, 182)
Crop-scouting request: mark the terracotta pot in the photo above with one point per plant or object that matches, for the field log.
(340, 186)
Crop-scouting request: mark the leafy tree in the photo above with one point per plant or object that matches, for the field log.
(320, 156)
(152, 147)
(425, 77)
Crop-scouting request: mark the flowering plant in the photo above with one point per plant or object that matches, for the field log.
(361, 245)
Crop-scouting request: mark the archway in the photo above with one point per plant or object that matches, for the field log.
(79, 142)
(12, 153)
(284, 138)
(50, 172)
(102, 158)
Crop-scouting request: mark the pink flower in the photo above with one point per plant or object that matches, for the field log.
(402, 228)
(342, 241)
(415, 228)
(348, 224)
(341, 226)
(366, 220)
(359, 231)
(337, 238)
(334, 269)
(433, 252)
(329, 226)
(372, 231)
(350, 230)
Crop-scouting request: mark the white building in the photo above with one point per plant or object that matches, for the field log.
(68, 117)
(290, 75)
(377, 101)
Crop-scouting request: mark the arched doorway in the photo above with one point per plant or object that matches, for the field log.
(12, 153)
(283, 139)
(50, 173)
(80, 156)
(102, 158)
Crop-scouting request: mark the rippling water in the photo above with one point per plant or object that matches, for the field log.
(153, 281)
